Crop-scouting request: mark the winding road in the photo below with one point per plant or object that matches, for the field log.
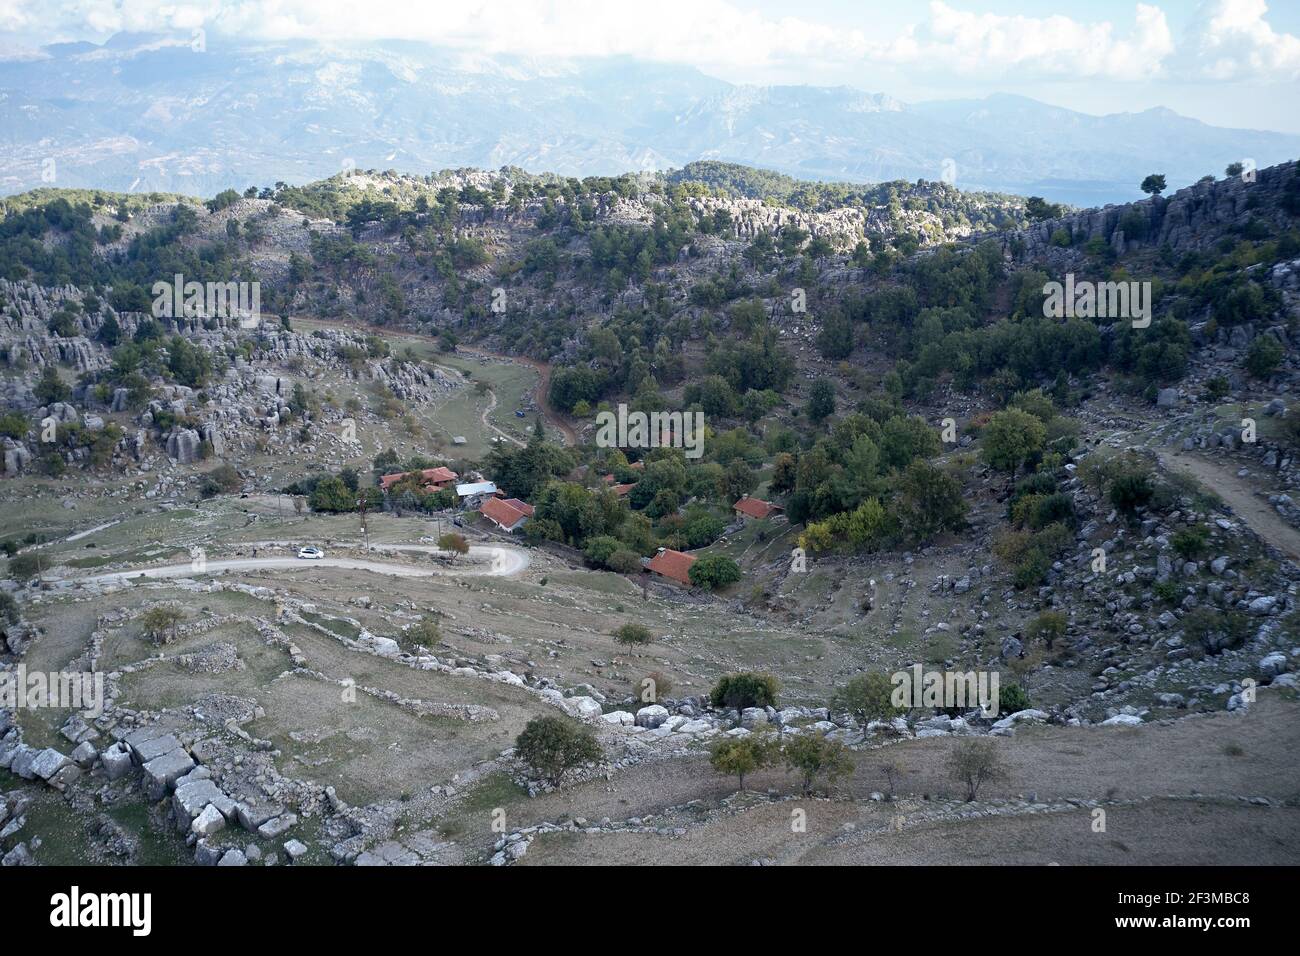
(501, 562)
(1244, 500)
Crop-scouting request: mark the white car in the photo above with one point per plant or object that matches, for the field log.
(311, 553)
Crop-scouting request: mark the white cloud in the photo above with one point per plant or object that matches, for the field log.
(989, 44)
(1229, 39)
(1232, 41)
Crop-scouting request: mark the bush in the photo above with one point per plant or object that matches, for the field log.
(867, 697)
(223, 479)
(1215, 631)
(553, 746)
(425, 632)
(8, 607)
(745, 689)
(653, 686)
(159, 623)
(1012, 699)
(1131, 489)
(1191, 543)
(714, 571)
(624, 561)
(633, 634)
(24, 567)
(1264, 356)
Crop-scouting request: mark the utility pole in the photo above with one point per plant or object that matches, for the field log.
(365, 528)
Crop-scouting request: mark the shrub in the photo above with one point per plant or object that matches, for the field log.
(624, 561)
(1263, 356)
(553, 746)
(24, 567)
(653, 686)
(1215, 631)
(159, 623)
(1191, 543)
(745, 689)
(633, 634)
(425, 632)
(1012, 699)
(714, 571)
(867, 697)
(223, 479)
(1131, 489)
(599, 548)
(8, 607)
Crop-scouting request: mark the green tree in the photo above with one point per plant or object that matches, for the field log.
(867, 697)
(814, 757)
(633, 634)
(1263, 356)
(331, 495)
(24, 567)
(974, 762)
(455, 543)
(714, 571)
(745, 689)
(50, 388)
(739, 756)
(424, 632)
(821, 400)
(159, 623)
(929, 502)
(1011, 438)
(1154, 184)
(553, 746)
(1049, 627)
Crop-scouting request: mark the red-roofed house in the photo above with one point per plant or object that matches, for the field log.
(748, 507)
(621, 490)
(674, 565)
(434, 479)
(518, 505)
(503, 514)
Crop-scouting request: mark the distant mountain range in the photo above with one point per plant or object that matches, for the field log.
(149, 113)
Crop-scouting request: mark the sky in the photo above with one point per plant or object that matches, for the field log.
(1227, 62)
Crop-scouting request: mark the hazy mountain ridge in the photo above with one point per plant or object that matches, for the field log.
(148, 113)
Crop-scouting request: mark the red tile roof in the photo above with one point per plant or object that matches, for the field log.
(755, 507)
(429, 476)
(505, 515)
(621, 490)
(672, 564)
(523, 506)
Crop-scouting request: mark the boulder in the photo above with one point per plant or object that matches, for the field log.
(584, 708)
(1122, 720)
(651, 716)
(208, 822)
(1273, 665)
(117, 761)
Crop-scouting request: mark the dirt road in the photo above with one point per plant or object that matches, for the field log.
(500, 562)
(1256, 512)
(541, 393)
